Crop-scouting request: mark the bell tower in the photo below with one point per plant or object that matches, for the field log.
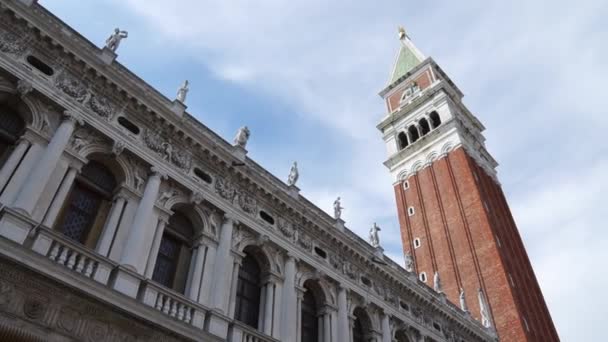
(454, 217)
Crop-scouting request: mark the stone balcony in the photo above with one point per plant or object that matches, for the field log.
(62, 260)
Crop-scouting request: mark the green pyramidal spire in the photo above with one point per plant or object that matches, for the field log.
(408, 57)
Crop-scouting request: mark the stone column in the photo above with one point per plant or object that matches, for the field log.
(343, 325)
(223, 267)
(133, 253)
(327, 325)
(40, 174)
(300, 297)
(236, 266)
(289, 302)
(208, 277)
(158, 236)
(270, 287)
(13, 161)
(386, 328)
(109, 229)
(60, 197)
(197, 271)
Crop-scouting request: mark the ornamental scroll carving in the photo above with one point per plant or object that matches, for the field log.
(101, 106)
(247, 203)
(225, 189)
(72, 87)
(166, 150)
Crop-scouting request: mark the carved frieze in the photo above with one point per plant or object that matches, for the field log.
(101, 106)
(84, 137)
(12, 43)
(286, 228)
(72, 87)
(247, 203)
(166, 150)
(225, 189)
(304, 241)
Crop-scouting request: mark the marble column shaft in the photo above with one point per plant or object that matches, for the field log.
(343, 324)
(289, 302)
(60, 197)
(40, 174)
(197, 271)
(133, 255)
(13, 161)
(223, 267)
(158, 236)
(386, 328)
(109, 229)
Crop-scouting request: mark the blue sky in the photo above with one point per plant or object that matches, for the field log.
(304, 76)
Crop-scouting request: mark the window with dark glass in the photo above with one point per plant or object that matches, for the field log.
(358, 333)
(310, 323)
(85, 210)
(248, 292)
(435, 119)
(11, 128)
(173, 259)
(402, 138)
(425, 126)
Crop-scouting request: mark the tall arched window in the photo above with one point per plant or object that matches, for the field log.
(248, 292)
(310, 322)
(435, 119)
(425, 126)
(84, 213)
(173, 260)
(413, 133)
(402, 139)
(11, 128)
(362, 326)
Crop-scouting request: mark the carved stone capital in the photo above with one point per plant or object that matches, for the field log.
(156, 171)
(118, 147)
(73, 117)
(24, 87)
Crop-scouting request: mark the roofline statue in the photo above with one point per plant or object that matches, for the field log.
(113, 41)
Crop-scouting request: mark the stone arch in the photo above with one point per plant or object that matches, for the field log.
(118, 169)
(446, 148)
(320, 288)
(260, 255)
(196, 216)
(402, 335)
(364, 322)
(19, 106)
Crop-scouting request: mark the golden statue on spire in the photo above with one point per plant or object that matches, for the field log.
(402, 34)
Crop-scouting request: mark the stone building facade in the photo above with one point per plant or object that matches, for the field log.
(455, 222)
(123, 218)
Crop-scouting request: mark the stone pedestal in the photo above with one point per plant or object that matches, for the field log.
(126, 281)
(294, 191)
(15, 226)
(339, 224)
(239, 152)
(178, 108)
(217, 324)
(379, 253)
(107, 56)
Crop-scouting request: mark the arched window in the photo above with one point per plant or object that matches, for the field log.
(173, 260)
(310, 313)
(11, 128)
(248, 292)
(402, 138)
(362, 326)
(435, 120)
(424, 125)
(413, 133)
(401, 336)
(84, 213)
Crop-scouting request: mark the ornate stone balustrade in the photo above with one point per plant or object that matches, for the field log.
(172, 304)
(74, 256)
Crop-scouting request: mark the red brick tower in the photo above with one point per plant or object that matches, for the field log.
(453, 214)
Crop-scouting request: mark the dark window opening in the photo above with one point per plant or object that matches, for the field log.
(310, 322)
(435, 120)
(402, 138)
(11, 128)
(358, 332)
(266, 217)
(437, 326)
(173, 260)
(88, 204)
(131, 127)
(320, 252)
(413, 133)
(204, 176)
(366, 281)
(248, 292)
(40, 65)
(404, 306)
(425, 126)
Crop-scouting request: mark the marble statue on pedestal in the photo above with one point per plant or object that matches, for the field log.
(437, 283)
(113, 41)
(242, 136)
(409, 262)
(337, 209)
(182, 92)
(292, 179)
(463, 302)
(374, 238)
